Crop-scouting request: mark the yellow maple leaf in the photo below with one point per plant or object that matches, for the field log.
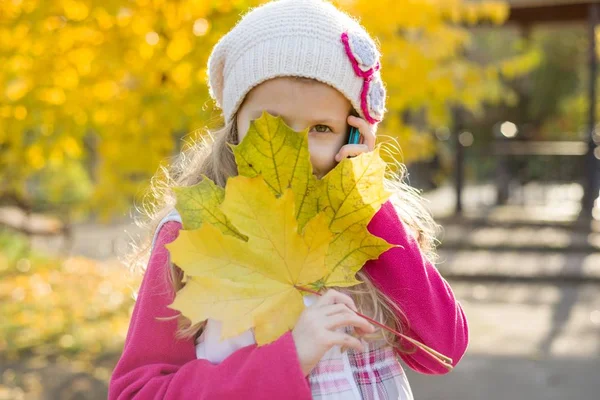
(250, 250)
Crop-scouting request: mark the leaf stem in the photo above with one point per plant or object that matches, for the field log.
(439, 357)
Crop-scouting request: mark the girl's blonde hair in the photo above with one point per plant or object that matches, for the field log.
(212, 156)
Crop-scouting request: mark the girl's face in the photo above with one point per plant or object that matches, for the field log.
(302, 104)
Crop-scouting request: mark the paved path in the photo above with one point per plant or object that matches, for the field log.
(528, 341)
(529, 281)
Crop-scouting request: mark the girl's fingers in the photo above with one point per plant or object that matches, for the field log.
(348, 319)
(345, 340)
(333, 297)
(348, 150)
(367, 131)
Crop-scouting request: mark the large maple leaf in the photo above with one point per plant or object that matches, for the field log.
(249, 250)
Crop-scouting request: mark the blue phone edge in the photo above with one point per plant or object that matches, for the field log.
(354, 137)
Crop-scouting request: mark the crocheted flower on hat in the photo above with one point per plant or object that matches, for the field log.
(376, 98)
(363, 50)
(365, 61)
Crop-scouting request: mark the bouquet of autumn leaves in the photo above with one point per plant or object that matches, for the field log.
(251, 250)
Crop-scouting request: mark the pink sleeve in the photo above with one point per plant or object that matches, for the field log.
(154, 365)
(433, 315)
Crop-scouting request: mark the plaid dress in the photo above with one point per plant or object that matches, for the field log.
(374, 374)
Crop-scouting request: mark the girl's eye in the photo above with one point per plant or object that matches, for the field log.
(322, 128)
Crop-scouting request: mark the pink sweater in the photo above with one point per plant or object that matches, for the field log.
(154, 365)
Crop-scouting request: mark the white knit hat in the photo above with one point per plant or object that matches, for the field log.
(304, 38)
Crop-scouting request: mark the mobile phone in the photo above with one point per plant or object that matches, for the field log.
(354, 136)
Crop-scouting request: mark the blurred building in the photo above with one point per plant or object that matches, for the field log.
(525, 15)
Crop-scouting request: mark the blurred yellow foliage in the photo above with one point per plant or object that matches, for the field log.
(113, 84)
(52, 306)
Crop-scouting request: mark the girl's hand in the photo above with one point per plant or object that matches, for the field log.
(367, 139)
(315, 332)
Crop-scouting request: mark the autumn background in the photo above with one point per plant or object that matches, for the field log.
(484, 97)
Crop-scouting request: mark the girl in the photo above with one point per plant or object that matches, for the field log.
(314, 66)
